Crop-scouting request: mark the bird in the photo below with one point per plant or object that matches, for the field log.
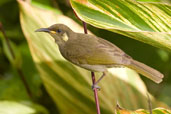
(94, 53)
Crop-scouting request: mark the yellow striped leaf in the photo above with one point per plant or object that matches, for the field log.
(146, 22)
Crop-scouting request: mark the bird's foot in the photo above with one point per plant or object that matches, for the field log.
(95, 86)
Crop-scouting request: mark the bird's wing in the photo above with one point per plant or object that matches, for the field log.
(108, 54)
(96, 51)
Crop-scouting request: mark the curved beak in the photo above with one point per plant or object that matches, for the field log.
(43, 30)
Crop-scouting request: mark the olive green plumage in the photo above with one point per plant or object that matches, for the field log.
(94, 53)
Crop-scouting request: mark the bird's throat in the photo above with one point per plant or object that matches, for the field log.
(65, 37)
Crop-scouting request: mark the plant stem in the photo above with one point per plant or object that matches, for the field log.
(93, 80)
(79, 19)
(95, 93)
(21, 74)
(19, 71)
(149, 104)
(85, 27)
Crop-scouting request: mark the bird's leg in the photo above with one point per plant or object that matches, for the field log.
(95, 85)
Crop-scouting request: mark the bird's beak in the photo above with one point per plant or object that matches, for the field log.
(43, 30)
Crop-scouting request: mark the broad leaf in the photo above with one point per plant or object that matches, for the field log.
(13, 107)
(70, 86)
(146, 22)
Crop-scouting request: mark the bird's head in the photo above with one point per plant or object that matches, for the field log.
(59, 32)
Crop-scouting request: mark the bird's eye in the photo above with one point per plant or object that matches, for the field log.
(59, 31)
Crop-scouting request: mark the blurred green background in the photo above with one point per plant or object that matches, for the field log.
(12, 88)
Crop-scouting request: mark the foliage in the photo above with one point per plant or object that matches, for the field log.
(120, 110)
(12, 107)
(68, 85)
(130, 18)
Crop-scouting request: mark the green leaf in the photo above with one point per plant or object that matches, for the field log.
(12, 88)
(69, 85)
(2, 2)
(13, 107)
(11, 85)
(146, 22)
(149, 0)
(166, 96)
(120, 110)
(13, 55)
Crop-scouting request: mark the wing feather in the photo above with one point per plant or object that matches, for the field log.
(94, 51)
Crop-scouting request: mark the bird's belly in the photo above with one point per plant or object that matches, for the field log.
(99, 68)
(95, 68)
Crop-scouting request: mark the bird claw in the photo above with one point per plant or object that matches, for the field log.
(95, 86)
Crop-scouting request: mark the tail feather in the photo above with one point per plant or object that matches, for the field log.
(146, 71)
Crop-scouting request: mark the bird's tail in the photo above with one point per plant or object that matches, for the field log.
(146, 71)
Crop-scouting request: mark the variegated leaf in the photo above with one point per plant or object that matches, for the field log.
(146, 22)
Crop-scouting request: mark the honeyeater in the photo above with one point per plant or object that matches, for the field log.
(94, 53)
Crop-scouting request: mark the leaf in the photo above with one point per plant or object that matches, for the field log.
(69, 85)
(13, 107)
(11, 86)
(120, 110)
(14, 57)
(166, 96)
(146, 22)
(2, 2)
